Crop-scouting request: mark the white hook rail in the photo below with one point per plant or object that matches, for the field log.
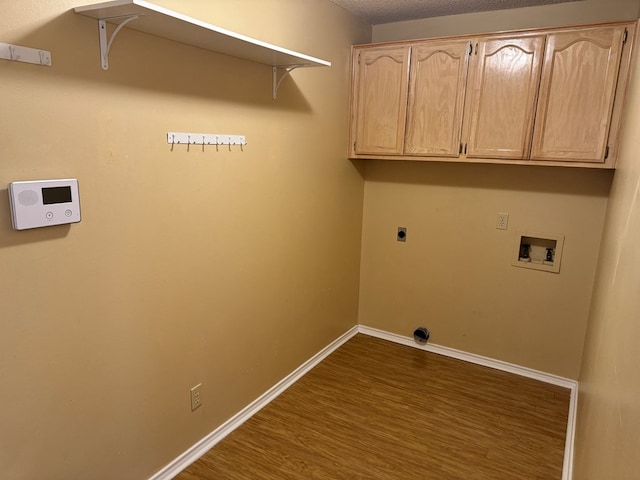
(19, 53)
(214, 139)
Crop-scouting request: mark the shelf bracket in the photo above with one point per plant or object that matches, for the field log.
(276, 82)
(105, 44)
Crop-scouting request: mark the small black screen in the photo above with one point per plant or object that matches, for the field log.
(53, 195)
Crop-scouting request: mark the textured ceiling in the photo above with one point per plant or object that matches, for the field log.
(387, 11)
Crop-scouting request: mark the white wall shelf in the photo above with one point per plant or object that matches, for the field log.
(149, 18)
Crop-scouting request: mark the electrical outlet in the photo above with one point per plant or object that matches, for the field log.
(502, 221)
(196, 399)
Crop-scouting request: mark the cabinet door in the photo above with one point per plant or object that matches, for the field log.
(577, 90)
(381, 85)
(436, 98)
(505, 74)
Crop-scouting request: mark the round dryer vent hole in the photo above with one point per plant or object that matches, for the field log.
(421, 335)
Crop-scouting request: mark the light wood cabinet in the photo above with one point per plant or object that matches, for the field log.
(381, 89)
(502, 95)
(545, 97)
(436, 98)
(577, 91)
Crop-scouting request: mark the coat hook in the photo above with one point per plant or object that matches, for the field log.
(173, 139)
(229, 143)
(188, 142)
(217, 143)
(203, 143)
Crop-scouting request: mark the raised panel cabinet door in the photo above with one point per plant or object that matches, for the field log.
(504, 79)
(381, 92)
(577, 92)
(436, 98)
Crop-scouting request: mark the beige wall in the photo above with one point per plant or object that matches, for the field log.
(454, 274)
(226, 268)
(608, 423)
(571, 13)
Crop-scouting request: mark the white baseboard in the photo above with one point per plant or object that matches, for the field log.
(208, 442)
(567, 466)
(572, 385)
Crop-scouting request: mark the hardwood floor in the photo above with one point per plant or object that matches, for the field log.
(377, 410)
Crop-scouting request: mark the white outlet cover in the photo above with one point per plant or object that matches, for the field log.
(502, 221)
(196, 398)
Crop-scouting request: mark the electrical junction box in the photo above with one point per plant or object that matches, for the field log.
(43, 203)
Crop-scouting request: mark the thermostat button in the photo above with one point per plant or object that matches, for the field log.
(68, 213)
(49, 215)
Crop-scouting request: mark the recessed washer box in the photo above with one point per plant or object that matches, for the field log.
(43, 203)
(538, 251)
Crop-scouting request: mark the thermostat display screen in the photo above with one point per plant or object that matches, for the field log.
(53, 195)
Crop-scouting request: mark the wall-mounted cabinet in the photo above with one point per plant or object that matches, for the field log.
(577, 93)
(544, 97)
(384, 74)
(436, 97)
(502, 91)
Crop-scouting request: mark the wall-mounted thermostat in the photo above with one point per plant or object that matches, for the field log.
(43, 203)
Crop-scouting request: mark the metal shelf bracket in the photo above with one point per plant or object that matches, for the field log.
(105, 44)
(276, 82)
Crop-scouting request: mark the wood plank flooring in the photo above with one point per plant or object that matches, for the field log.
(377, 410)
